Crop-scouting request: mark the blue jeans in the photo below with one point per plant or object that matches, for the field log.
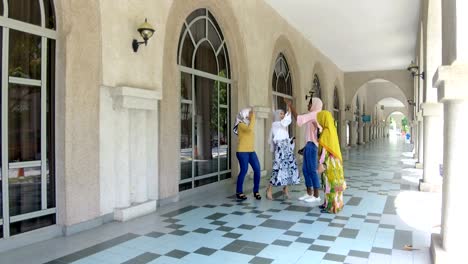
(244, 159)
(309, 166)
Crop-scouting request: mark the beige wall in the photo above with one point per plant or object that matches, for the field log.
(255, 35)
(94, 50)
(77, 110)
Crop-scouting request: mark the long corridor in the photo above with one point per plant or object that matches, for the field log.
(385, 220)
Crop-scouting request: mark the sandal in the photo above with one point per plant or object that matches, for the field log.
(241, 196)
(257, 196)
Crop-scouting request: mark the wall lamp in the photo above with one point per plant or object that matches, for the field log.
(146, 31)
(347, 107)
(411, 102)
(414, 69)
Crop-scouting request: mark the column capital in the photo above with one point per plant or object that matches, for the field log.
(452, 82)
(432, 109)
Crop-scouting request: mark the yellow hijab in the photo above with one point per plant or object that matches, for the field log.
(329, 137)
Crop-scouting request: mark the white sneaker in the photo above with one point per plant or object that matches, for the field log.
(305, 196)
(312, 199)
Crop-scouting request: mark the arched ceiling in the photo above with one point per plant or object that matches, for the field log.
(391, 102)
(359, 35)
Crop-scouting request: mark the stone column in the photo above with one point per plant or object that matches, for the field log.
(262, 130)
(361, 132)
(366, 132)
(419, 163)
(433, 138)
(414, 136)
(354, 134)
(452, 84)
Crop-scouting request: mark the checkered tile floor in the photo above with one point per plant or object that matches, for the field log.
(219, 229)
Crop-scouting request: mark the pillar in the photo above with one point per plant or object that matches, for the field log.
(415, 139)
(366, 132)
(354, 135)
(452, 84)
(433, 138)
(419, 163)
(361, 132)
(262, 130)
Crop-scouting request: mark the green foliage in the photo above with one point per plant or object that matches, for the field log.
(404, 124)
(222, 114)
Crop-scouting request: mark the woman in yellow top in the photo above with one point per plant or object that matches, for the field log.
(244, 128)
(331, 164)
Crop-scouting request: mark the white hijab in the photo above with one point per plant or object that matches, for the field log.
(241, 118)
(276, 118)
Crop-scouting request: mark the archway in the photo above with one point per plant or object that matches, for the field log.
(205, 91)
(170, 169)
(398, 126)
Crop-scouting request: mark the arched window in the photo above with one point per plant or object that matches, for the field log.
(316, 88)
(205, 102)
(27, 108)
(281, 83)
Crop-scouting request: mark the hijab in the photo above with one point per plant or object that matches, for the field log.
(241, 118)
(317, 104)
(329, 137)
(276, 118)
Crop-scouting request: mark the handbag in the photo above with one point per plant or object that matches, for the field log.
(301, 151)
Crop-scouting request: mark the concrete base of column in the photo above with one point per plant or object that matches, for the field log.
(438, 253)
(418, 165)
(430, 186)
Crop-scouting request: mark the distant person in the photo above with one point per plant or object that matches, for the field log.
(331, 164)
(244, 128)
(284, 171)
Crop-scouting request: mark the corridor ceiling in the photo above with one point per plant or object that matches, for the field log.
(357, 35)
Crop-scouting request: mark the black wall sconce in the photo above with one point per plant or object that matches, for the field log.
(347, 107)
(311, 94)
(414, 69)
(146, 31)
(411, 102)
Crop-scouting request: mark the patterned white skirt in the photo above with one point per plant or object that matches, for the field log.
(284, 170)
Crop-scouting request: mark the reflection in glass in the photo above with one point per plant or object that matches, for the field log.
(213, 36)
(185, 186)
(49, 14)
(31, 224)
(25, 10)
(24, 55)
(186, 142)
(205, 134)
(206, 124)
(24, 186)
(50, 123)
(197, 13)
(24, 123)
(206, 181)
(198, 30)
(186, 86)
(223, 90)
(223, 138)
(187, 52)
(225, 176)
(205, 59)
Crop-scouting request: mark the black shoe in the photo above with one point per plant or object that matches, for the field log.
(241, 196)
(257, 196)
